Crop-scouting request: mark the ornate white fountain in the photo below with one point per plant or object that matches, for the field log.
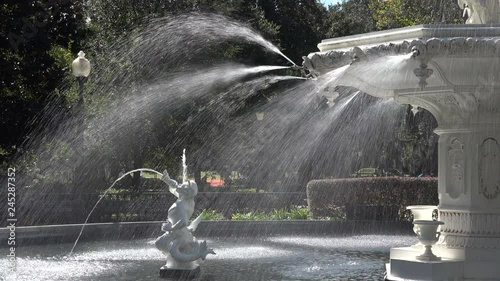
(453, 71)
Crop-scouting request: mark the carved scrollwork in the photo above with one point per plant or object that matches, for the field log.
(423, 49)
(476, 230)
(336, 59)
(330, 60)
(489, 169)
(447, 99)
(456, 169)
(470, 242)
(459, 46)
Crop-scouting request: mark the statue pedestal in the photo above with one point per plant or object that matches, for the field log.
(456, 263)
(180, 274)
(424, 270)
(404, 266)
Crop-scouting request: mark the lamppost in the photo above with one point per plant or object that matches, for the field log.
(81, 70)
(260, 115)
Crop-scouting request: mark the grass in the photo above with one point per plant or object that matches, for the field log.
(297, 213)
(124, 217)
(211, 215)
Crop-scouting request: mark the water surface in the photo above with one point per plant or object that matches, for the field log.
(249, 259)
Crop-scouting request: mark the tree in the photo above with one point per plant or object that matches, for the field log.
(38, 39)
(301, 24)
(362, 16)
(399, 13)
(418, 143)
(350, 17)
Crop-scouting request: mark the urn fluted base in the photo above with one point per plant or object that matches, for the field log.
(428, 255)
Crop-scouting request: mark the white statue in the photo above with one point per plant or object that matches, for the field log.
(481, 11)
(178, 243)
(308, 65)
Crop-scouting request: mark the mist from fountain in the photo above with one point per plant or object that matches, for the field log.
(302, 124)
(103, 195)
(299, 124)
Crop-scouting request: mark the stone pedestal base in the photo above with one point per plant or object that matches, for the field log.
(444, 270)
(179, 274)
(478, 264)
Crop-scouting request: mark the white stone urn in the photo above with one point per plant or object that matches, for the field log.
(422, 212)
(428, 235)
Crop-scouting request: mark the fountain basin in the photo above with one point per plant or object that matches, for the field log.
(360, 257)
(67, 233)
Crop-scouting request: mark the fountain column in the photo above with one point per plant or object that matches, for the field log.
(469, 194)
(469, 176)
(453, 71)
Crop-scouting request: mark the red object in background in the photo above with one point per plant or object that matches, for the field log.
(215, 182)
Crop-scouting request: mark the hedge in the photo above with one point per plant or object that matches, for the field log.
(369, 198)
(61, 208)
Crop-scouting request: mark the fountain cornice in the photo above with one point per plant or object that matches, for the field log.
(335, 54)
(399, 35)
(454, 76)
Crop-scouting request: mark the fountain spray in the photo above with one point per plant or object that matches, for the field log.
(142, 170)
(184, 166)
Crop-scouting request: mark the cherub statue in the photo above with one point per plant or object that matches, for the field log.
(178, 243)
(481, 11)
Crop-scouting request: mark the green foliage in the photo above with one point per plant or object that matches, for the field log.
(418, 143)
(399, 13)
(246, 190)
(30, 66)
(257, 215)
(325, 197)
(350, 17)
(63, 57)
(297, 213)
(211, 215)
(121, 217)
(361, 16)
(367, 172)
(301, 24)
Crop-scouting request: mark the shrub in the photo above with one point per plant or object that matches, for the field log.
(211, 215)
(369, 198)
(297, 213)
(257, 215)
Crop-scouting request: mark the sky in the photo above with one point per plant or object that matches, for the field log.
(328, 2)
